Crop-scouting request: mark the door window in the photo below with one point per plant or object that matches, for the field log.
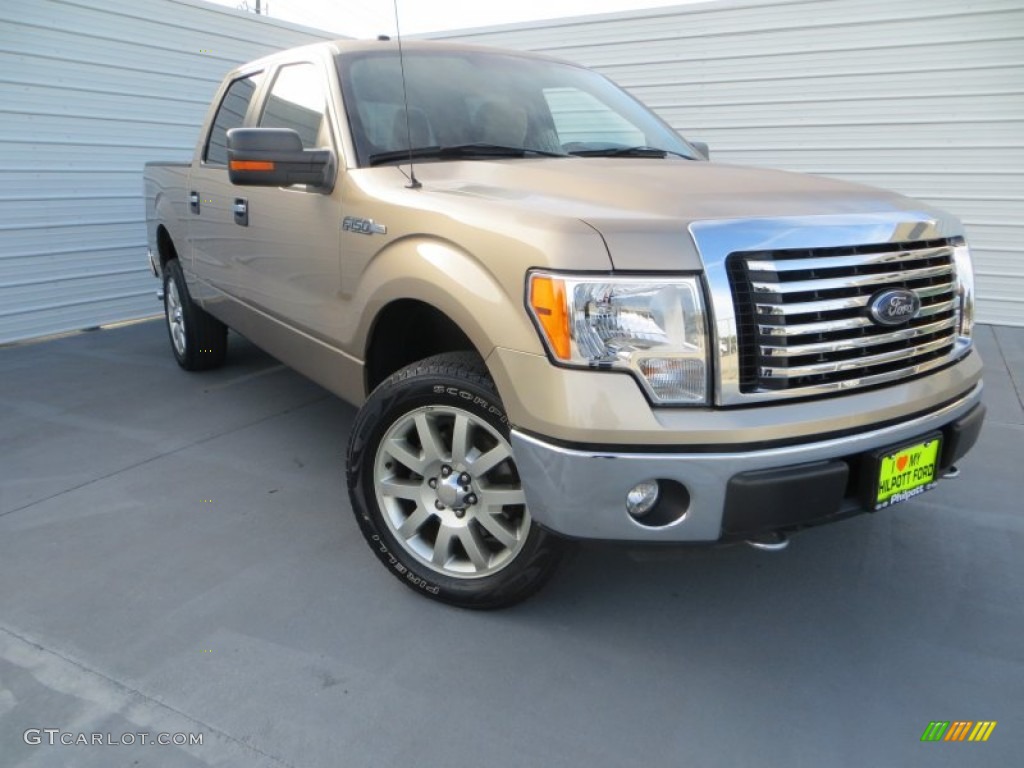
(230, 114)
(298, 101)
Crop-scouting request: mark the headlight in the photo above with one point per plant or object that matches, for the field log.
(655, 330)
(964, 289)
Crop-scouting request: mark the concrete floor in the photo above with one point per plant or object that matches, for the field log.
(177, 554)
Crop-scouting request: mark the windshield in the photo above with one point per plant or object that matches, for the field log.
(460, 99)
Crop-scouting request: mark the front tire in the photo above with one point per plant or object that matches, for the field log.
(436, 492)
(199, 341)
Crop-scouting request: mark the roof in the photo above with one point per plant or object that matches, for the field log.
(348, 46)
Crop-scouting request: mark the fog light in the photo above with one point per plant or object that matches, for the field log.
(642, 497)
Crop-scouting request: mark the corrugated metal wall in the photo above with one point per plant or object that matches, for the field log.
(89, 91)
(925, 97)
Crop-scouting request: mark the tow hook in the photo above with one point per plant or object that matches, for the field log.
(953, 471)
(770, 542)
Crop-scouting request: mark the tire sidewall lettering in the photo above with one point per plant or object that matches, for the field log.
(395, 563)
(443, 381)
(473, 399)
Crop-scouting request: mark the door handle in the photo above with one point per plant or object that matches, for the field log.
(193, 201)
(241, 210)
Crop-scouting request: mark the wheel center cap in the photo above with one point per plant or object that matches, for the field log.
(450, 493)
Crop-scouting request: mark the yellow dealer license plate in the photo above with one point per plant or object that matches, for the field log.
(905, 472)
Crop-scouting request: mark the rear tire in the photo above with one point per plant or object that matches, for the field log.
(199, 341)
(436, 492)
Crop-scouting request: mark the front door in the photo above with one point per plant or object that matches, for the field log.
(291, 266)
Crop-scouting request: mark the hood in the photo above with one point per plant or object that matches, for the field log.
(642, 207)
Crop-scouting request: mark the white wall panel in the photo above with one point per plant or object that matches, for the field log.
(924, 97)
(89, 91)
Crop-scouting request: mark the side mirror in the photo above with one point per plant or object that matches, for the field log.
(702, 147)
(274, 157)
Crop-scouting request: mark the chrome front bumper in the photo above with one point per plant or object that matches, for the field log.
(581, 494)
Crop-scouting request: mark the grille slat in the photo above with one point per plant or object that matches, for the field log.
(851, 365)
(828, 305)
(830, 326)
(844, 283)
(834, 262)
(803, 315)
(858, 342)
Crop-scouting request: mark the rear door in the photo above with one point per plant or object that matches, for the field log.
(215, 238)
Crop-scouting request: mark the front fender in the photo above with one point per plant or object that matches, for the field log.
(453, 281)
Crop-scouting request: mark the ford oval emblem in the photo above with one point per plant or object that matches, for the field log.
(896, 306)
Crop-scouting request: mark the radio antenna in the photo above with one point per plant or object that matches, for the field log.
(413, 182)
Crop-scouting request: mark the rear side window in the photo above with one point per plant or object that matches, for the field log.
(229, 115)
(298, 101)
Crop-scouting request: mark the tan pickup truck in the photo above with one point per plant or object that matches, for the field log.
(559, 321)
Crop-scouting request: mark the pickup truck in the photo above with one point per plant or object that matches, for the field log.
(558, 320)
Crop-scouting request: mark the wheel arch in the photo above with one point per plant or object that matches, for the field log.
(168, 231)
(424, 297)
(406, 330)
(164, 246)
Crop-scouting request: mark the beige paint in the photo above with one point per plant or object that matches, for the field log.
(604, 408)
(463, 243)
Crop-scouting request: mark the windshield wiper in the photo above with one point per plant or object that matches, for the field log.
(458, 151)
(628, 152)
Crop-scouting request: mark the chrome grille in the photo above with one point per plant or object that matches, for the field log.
(803, 317)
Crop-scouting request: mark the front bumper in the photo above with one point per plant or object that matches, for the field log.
(581, 493)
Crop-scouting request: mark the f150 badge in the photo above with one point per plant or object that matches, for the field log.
(363, 226)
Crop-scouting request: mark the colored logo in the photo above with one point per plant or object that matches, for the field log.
(958, 730)
(894, 307)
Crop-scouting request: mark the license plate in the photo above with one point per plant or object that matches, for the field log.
(906, 472)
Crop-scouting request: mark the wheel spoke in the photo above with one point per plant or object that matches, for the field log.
(502, 497)
(401, 489)
(398, 449)
(497, 529)
(460, 438)
(474, 548)
(433, 446)
(464, 539)
(486, 462)
(413, 523)
(442, 546)
(175, 317)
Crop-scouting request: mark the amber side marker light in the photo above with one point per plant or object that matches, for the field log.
(547, 300)
(252, 165)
